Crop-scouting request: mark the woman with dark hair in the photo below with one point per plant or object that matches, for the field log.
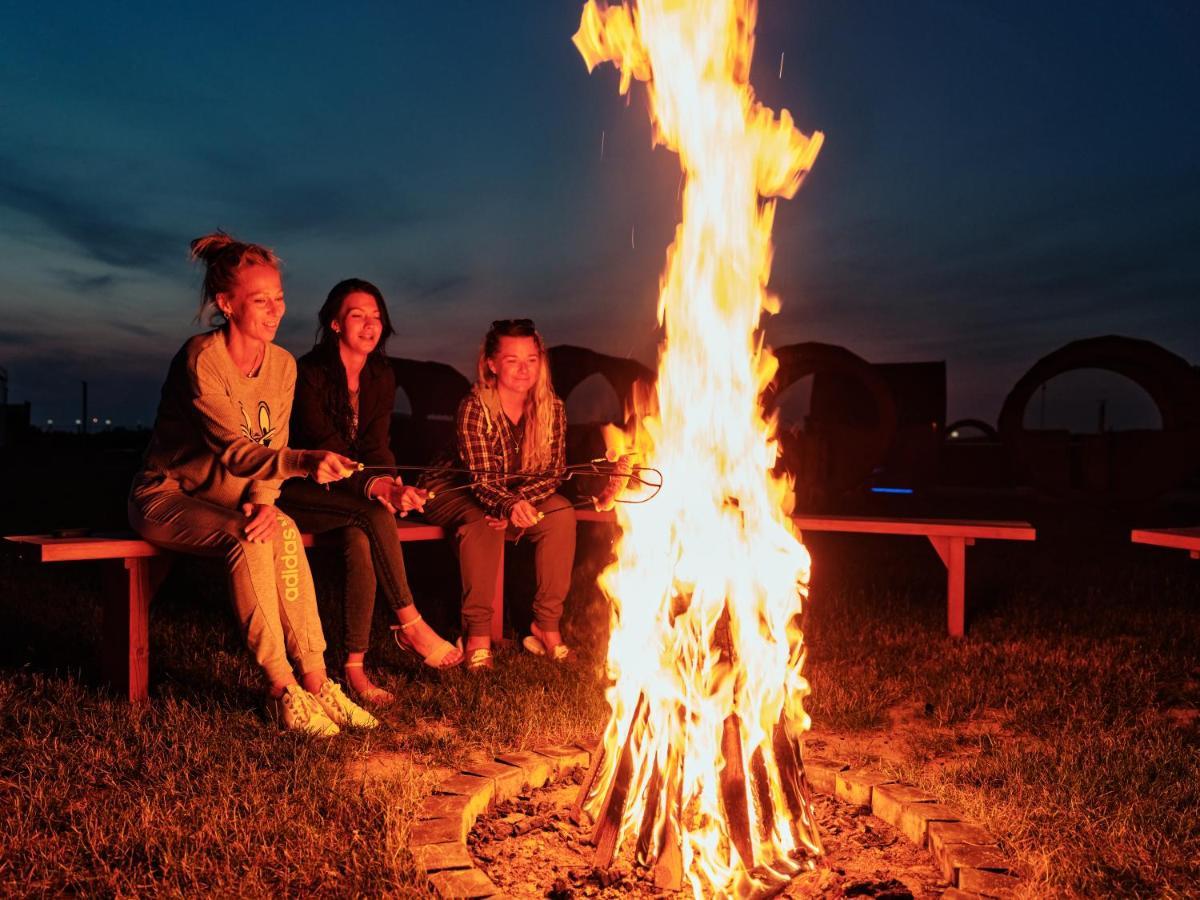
(344, 398)
(511, 436)
(212, 472)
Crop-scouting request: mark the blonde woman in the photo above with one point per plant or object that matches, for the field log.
(511, 438)
(212, 473)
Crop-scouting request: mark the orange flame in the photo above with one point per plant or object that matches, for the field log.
(701, 756)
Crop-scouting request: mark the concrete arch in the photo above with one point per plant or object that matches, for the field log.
(834, 453)
(1122, 466)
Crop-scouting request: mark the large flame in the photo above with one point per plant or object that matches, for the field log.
(701, 756)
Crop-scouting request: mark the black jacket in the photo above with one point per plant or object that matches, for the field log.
(315, 422)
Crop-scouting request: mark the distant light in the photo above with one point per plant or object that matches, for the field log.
(954, 433)
(891, 490)
(49, 421)
(95, 420)
(108, 421)
(78, 421)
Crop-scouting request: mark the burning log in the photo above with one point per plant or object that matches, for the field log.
(586, 787)
(668, 849)
(733, 790)
(795, 789)
(612, 811)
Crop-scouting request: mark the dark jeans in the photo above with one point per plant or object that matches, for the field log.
(369, 546)
(480, 548)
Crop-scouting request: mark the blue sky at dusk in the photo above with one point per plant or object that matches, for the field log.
(997, 179)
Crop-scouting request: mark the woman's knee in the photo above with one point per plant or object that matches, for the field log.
(559, 513)
(478, 532)
(381, 518)
(356, 544)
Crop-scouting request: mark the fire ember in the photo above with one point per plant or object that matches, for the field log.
(701, 764)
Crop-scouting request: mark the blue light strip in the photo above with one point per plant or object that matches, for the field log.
(879, 490)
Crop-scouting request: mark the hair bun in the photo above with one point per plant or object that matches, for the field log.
(210, 246)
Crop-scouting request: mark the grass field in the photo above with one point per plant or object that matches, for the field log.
(1066, 723)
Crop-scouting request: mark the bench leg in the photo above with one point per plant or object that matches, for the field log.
(953, 552)
(498, 605)
(126, 649)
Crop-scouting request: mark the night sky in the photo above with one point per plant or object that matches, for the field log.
(997, 179)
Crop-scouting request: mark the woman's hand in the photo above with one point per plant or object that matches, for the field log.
(524, 515)
(398, 497)
(410, 497)
(324, 466)
(263, 525)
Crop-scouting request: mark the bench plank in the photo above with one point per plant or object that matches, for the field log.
(47, 548)
(949, 537)
(1175, 538)
(964, 528)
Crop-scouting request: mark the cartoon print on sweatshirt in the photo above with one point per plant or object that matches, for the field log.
(265, 432)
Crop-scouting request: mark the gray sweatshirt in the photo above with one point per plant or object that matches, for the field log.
(220, 435)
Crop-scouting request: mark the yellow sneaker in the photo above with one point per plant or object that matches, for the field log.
(341, 709)
(298, 710)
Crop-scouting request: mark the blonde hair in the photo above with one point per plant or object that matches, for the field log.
(538, 414)
(222, 256)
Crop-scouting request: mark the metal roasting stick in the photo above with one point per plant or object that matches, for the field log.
(600, 467)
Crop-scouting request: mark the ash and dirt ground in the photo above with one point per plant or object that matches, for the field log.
(530, 848)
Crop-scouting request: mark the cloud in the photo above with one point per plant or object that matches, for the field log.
(135, 329)
(105, 229)
(84, 283)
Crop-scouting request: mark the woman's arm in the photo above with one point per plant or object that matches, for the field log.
(219, 423)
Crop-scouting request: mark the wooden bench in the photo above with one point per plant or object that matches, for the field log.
(1177, 538)
(950, 538)
(136, 569)
(139, 567)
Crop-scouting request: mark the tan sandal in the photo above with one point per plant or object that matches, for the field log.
(480, 658)
(436, 658)
(374, 695)
(561, 652)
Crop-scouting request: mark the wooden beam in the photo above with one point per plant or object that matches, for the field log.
(733, 790)
(668, 869)
(585, 789)
(612, 811)
(125, 653)
(796, 792)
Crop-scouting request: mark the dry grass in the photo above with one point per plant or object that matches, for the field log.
(1062, 723)
(1066, 722)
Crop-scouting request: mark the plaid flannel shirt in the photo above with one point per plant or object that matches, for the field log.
(492, 444)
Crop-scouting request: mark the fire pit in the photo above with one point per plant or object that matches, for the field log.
(505, 825)
(529, 847)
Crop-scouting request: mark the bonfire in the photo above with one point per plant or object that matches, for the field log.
(701, 759)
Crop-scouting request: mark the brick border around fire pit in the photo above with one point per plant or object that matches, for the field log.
(968, 856)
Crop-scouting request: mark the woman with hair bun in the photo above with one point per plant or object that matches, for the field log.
(511, 437)
(213, 469)
(344, 398)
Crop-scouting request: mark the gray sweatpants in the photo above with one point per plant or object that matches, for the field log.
(271, 585)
